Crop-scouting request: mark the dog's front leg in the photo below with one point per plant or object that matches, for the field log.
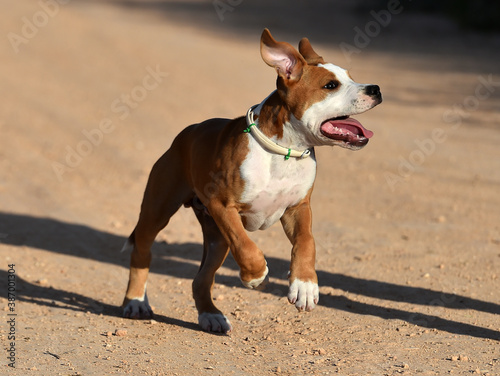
(297, 223)
(250, 259)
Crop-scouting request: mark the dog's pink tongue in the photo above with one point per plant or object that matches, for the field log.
(350, 125)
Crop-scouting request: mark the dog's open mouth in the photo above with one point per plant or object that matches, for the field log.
(346, 129)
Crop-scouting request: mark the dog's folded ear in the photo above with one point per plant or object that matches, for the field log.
(309, 54)
(287, 61)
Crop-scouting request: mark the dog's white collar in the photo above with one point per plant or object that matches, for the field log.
(268, 144)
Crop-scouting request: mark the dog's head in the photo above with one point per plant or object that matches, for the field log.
(320, 96)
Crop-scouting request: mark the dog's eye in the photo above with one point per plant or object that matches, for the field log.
(331, 85)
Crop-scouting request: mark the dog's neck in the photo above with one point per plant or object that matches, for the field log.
(277, 122)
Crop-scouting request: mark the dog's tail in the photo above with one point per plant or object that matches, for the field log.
(129, 244)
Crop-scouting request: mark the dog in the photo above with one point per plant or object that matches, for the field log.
(247, 173)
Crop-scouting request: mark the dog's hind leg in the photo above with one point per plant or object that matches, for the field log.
(215, 250)
(165, 193)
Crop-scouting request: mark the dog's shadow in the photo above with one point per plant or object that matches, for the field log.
(181, 261)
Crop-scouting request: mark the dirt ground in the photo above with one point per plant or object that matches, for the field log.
(407, 229)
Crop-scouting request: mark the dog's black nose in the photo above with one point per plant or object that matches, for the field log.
(373, 90)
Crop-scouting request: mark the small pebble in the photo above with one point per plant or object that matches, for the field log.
(116, 224)
(120, 332)
(42, 282)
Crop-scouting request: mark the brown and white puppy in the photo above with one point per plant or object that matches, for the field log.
(248, 173)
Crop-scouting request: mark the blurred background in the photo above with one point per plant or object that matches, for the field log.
(93, 92)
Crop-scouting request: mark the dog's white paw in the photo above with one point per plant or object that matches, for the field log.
(305, 295)
(258, 283)
(214, 322)
(138, 309)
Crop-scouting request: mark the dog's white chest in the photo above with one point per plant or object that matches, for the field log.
(272, 184)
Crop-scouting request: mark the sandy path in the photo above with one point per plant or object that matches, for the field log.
(407, 230)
